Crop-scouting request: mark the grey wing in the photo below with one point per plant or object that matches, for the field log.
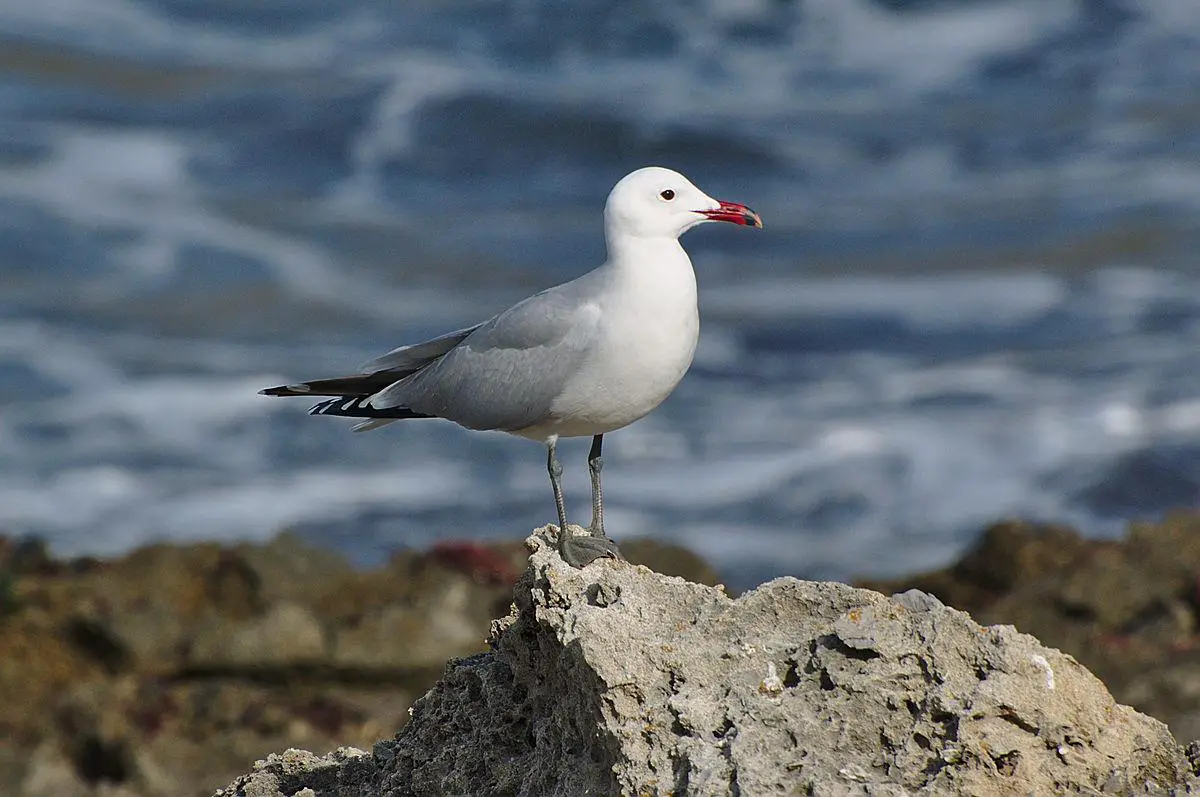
(375, 375)
(407, 359)
(507, 373)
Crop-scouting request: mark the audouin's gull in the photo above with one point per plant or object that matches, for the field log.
(584, 358)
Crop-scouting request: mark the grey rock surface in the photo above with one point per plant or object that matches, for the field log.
(616, 680)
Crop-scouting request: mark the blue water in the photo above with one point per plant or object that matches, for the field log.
(976, 295)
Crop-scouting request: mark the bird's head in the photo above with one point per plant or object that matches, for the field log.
(656, 202)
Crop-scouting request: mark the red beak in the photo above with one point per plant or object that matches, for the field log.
(735, 213)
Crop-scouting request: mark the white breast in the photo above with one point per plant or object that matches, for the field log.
(646, 338)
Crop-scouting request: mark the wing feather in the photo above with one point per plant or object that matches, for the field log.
(503, 374)
(507, 373)
(415, 356)
(378, 373)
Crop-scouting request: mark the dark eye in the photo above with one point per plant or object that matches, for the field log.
(668, 195)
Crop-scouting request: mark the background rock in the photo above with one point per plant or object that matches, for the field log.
(167, 671)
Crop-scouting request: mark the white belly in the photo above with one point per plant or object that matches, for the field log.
(645, 342)
(627, 382)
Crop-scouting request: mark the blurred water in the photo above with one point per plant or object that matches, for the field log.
(976, 294)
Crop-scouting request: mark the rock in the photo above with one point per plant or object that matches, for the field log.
(1128, 609)
(416, 639)
(1006, 554)
(670, 560)
(50, 774)
(167, 670)
(28, 555)
(96, 767)
(286, 635)
(616, 680)
(299, 773)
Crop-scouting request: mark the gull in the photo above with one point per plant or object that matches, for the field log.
(581, 359)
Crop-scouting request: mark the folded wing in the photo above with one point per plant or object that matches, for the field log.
(507, 373)
(378, 373)
(503, 374)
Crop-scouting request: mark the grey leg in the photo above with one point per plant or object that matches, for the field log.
(556, 470)
(577, 551)
(595, 465)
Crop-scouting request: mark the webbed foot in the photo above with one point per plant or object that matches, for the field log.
(579, 550)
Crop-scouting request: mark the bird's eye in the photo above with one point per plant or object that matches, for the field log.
(667, 195)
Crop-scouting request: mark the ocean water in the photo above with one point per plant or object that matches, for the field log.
(976, 296)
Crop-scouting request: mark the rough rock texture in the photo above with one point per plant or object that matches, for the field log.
(616, 680)
(299, 773)
(1128, 609)
(165, 672)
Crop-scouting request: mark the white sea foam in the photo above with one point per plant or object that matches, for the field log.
(938, 47)
(137, 183)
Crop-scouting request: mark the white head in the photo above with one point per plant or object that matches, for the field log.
(658, 203)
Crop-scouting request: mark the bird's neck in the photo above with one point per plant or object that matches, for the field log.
(637, 252)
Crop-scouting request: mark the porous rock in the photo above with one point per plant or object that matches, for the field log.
(616, 680)
(1127, 608)
(299, 773)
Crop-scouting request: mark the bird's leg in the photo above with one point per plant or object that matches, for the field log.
(576, 550)
(595, 465)
(556, 471)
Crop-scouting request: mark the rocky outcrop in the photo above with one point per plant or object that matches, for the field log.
(166, 671)
(617, 680)
(1128, 609)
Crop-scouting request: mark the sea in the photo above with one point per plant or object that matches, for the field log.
(976, 296)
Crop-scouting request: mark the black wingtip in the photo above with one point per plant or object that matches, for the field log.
(345, 406)
(360, 407)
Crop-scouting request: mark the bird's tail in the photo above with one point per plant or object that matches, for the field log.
(351, 399)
